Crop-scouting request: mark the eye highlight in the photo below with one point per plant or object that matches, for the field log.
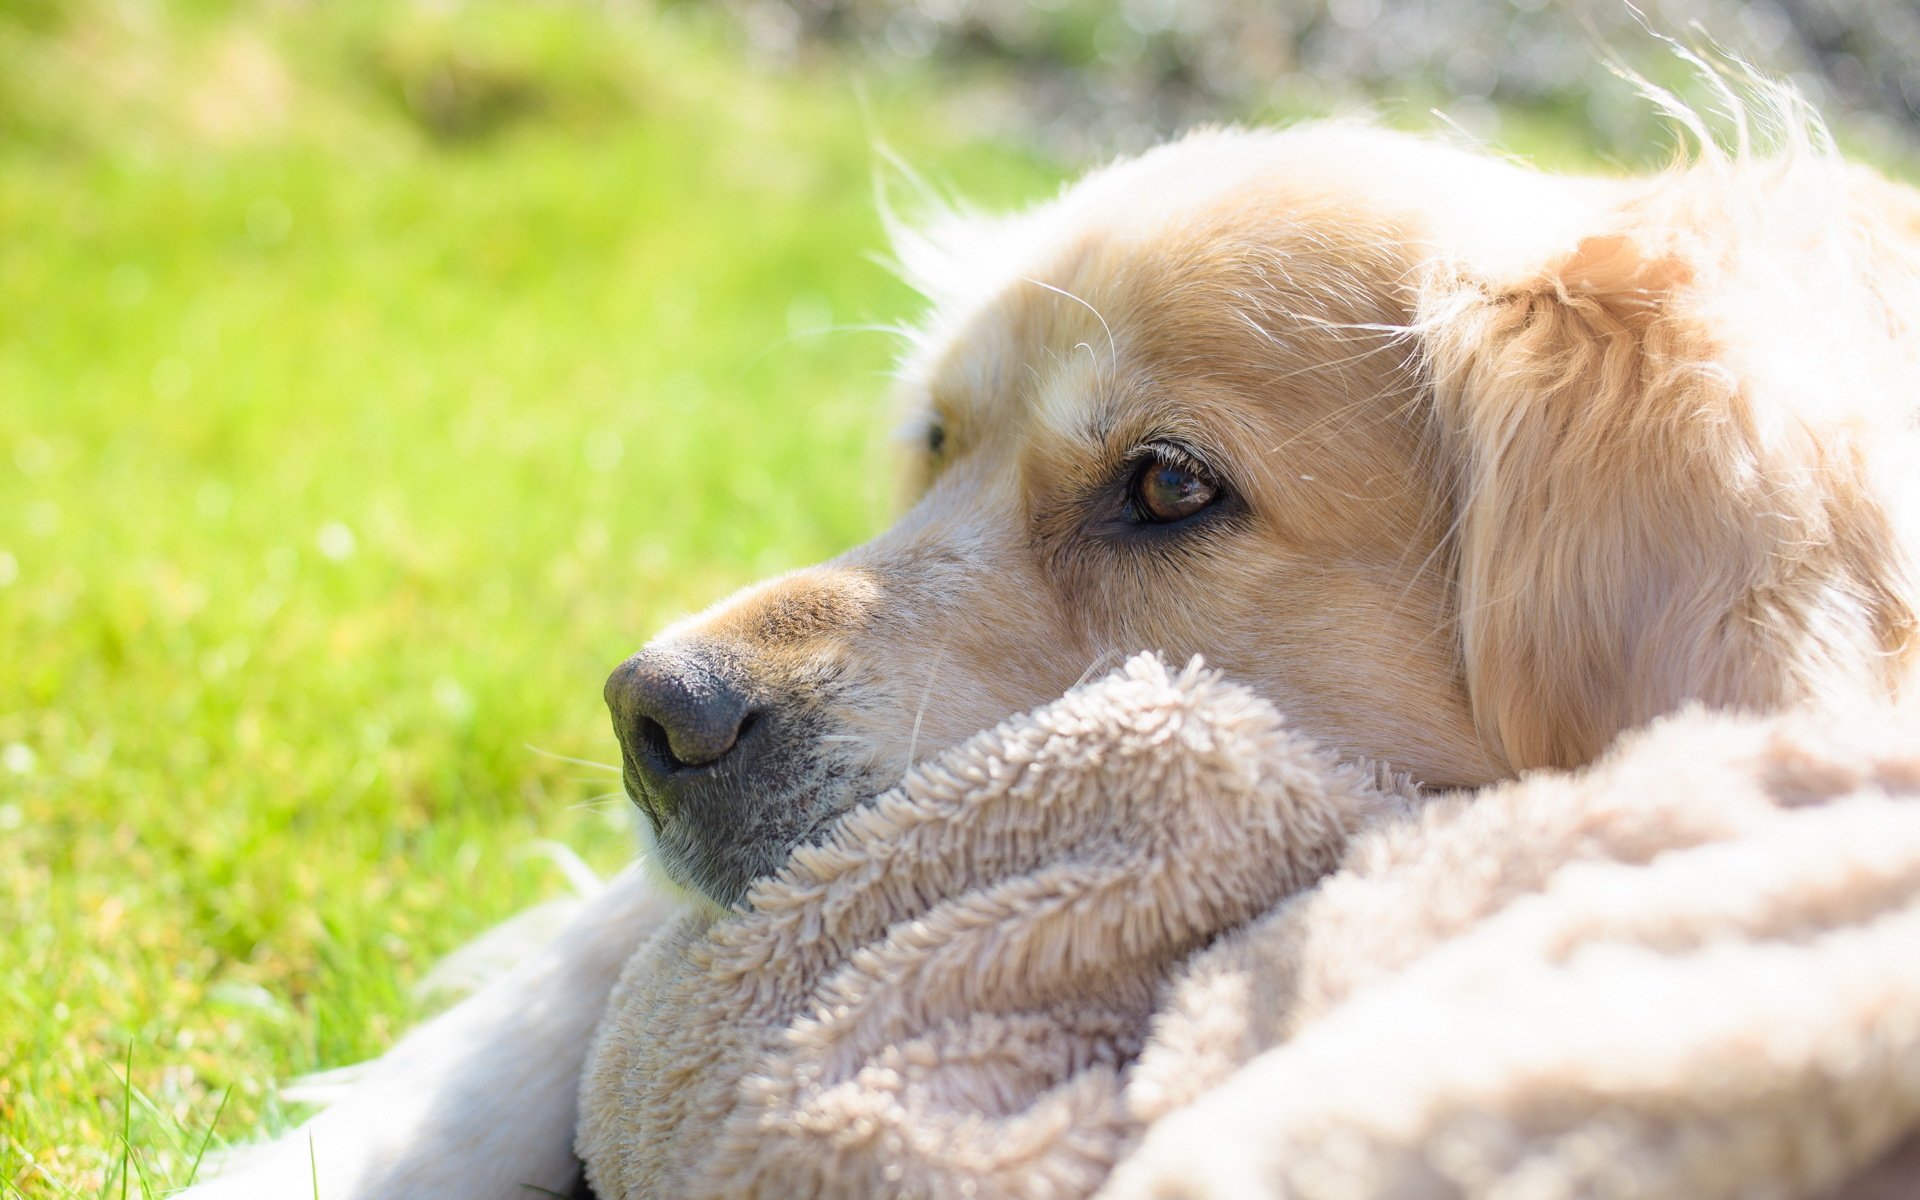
(1168, 486)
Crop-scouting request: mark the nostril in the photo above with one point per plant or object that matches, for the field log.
(653, 738)
(679, 710)
(691, 749)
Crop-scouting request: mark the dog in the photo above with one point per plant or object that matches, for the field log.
(1466, 467)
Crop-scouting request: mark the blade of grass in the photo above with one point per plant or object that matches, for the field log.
(194, 1170)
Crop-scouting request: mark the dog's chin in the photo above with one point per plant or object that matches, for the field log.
(711, 869)
(716, 856)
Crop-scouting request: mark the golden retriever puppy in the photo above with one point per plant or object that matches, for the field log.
(1466, 467)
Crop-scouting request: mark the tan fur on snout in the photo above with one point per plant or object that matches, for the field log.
(1512, 462)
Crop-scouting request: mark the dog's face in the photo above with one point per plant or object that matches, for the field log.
(1217, 401)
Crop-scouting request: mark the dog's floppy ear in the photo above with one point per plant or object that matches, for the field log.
(1639, 522)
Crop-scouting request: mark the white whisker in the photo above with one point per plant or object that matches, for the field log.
(1113, 347)
(597, 803)
(565, 758)
(920, 711)
(1097, 665)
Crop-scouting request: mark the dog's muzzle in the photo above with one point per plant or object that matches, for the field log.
(706, 757)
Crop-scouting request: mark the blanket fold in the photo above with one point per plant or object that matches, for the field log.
(1148, 942)
(941, 999)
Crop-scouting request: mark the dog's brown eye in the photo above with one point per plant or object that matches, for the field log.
(936, 439)
(1165, 491)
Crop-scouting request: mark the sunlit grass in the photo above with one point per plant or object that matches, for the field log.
(350, 431)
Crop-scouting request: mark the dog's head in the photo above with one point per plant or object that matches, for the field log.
(1465, 467)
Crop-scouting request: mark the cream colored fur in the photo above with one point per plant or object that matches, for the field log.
(1521, 462)
(1688, 972)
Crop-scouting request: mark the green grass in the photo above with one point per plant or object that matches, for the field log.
(369, 385)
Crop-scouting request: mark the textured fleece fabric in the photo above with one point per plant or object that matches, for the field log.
(1148, 942)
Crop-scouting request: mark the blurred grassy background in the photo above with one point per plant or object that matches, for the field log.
(373, 376)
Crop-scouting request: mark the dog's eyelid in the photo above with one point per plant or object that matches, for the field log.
(1174, 453)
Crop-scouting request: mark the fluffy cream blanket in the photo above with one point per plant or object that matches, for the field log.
(1147, 942)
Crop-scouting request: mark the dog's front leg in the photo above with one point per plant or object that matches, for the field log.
(479, 1102)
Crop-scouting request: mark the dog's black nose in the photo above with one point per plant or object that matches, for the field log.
(677, 710)
(707, 752)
